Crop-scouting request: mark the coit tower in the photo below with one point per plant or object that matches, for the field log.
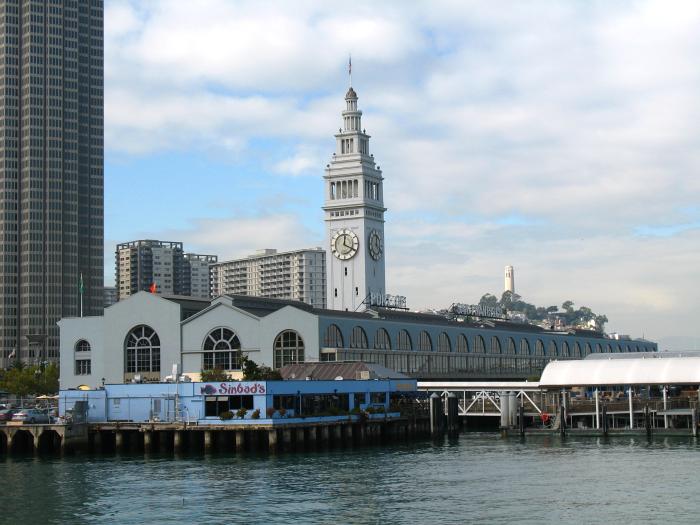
(510, 279)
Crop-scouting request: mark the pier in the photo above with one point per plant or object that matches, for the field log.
(184, 437)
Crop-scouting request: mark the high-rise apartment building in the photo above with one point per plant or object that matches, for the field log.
(298, 275)
(142, 265)
(51, 171)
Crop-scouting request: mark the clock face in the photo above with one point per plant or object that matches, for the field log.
(344, 244)
(375, 245)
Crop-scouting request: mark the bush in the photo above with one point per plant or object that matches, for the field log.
(240, 414)
(255, 414)
(224, 416)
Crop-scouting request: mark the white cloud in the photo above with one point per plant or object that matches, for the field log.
(581, 117)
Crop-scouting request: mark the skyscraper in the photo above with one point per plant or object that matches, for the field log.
(51, 171)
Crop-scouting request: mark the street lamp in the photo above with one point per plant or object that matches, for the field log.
(37, 340)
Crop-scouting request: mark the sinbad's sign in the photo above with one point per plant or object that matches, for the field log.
(229, 389)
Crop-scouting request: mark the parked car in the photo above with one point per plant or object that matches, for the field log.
(31, 415)
(7, 413)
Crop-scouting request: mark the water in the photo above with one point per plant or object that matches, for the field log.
(478, 479)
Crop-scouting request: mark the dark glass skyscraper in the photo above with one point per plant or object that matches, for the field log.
(51, 171)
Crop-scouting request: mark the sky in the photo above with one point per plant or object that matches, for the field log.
(562, 138)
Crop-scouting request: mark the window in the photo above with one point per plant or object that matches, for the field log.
(588, 349)
(289, 349)
(217, 405)
(333, 337)
(403, 341)
(222, 349)
(577, 350)
(82, 346)
(539, 347)
(565, 349)
(598, 348)
(511, 346)
(358, 338)
(382, 340)
(495, 345)
(479, 346)
(524, 347)
(424, 342)
(444, 343)
(462, 345)
(142, 350)
(82, 367)
(552, 349)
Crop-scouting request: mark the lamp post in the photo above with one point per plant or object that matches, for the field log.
(37, 341)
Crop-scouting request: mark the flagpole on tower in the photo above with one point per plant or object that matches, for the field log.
(350, 68)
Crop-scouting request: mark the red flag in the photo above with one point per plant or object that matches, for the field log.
(152, 288)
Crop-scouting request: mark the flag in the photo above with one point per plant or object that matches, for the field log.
(81, 285)
(152, 288)
(350, 65)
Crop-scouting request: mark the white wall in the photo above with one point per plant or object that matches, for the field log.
(72, 330)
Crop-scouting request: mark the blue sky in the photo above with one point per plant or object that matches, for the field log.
(559, 137)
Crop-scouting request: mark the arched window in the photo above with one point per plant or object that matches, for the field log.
(333, 337)
(627, 348)
(289, 349)
(444, 343)
(511, 346)
(565, 349)
(524, 347)
(619, 348)
(577, 349)
(222, 349)
(588, 349)
(462, 345)
(495, 345)
(142, 346)
(82, 346)
(552, 349)
(598, 348)
(608, 348)
(424, 342)
(382, 341)
(479, 346)
(539, 347)
(403, 341)
(358, 338)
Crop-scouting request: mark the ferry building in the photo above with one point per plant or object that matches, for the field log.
(143, 337)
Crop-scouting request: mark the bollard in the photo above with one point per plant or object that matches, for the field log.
(505, 413)
(605, 419)
(272, 440)
(435, 414)
(208, 440)
(562, 420)
(240, 441)
(452, 414)
(521, 419)
(647, 421)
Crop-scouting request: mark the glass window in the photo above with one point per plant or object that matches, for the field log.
(552, 349)
(524, 347)
(82, 346)
(511, 346)
(479, 346)
(142, 350)
(382, 341)
(539, 347)
(358, 338)
(495, 345)
(565, 349)
(403, 341)
(333, 337)
(222, 349)
(462, 345)
(444, 343)
(424, 342)
(289, 349)
(82, 367)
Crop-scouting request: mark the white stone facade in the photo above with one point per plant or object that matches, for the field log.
(354, 216)
(298, 275)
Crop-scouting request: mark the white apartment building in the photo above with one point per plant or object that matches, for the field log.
(298, 275)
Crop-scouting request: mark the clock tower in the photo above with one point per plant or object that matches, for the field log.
(354, 215)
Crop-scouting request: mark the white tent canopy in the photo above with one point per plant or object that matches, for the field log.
(601, 372)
